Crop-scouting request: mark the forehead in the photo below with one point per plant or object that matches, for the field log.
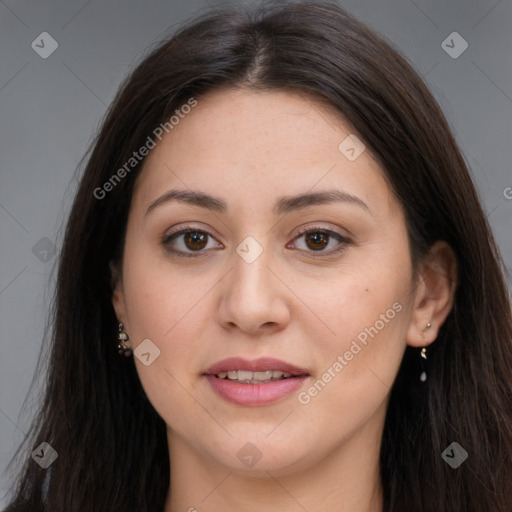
(258, 125)
(258, 142)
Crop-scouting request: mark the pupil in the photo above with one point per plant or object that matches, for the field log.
(317, 241)
(195, 240)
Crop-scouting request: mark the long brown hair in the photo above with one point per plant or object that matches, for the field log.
(112, 444)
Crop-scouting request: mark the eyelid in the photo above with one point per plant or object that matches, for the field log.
(180, 228)
(327, 226)
(316, 227)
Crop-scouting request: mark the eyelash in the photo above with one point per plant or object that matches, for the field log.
(344, 242)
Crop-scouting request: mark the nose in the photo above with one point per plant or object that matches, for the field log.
(253, 300)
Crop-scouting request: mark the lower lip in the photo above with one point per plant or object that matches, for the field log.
(255, 394)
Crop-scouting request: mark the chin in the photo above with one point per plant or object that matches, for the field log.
(257, 456)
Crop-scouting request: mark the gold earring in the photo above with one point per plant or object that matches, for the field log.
(122, 336)
(423, 354)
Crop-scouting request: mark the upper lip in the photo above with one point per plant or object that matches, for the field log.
(262, 364)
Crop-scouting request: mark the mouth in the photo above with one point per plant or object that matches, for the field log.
(248, 377)
(254, 383)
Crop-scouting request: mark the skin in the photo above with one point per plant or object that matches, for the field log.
(249, 149)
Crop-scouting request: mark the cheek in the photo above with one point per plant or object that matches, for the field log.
(367, 312)
(168, 317)
(164, 307)
(357, 368)
(365, 297)
(158, 295)
(167, 310)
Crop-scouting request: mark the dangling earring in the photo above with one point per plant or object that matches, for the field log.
(423, 354)
(122, 336)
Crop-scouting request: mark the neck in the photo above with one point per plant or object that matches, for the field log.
(347, 480)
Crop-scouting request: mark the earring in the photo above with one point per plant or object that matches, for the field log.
(423, 354)
(122, 336)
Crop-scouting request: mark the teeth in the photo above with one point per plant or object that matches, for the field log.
(278, 374)
(262, 375)
(243, 375)
(253, 377)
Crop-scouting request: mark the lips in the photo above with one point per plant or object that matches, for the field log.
(254, 383)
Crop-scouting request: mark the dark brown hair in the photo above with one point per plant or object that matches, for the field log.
(112, 444)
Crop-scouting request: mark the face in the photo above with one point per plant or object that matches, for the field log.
(253, 234)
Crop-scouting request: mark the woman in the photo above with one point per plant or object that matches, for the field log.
(276, 227)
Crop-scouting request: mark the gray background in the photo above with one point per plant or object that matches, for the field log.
(50, 109)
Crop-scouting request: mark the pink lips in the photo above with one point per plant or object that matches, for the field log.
(255, 394)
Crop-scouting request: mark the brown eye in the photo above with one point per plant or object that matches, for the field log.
(325, 242)
(317, 240)
(195, 240)
(190, 242)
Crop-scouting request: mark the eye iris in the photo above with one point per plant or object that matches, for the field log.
(317, 240)
(195, 240)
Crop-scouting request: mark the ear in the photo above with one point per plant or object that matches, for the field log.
(116, 284)
(434, 294)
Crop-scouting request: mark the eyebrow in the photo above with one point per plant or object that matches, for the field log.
(283, 205)
(292, 203)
